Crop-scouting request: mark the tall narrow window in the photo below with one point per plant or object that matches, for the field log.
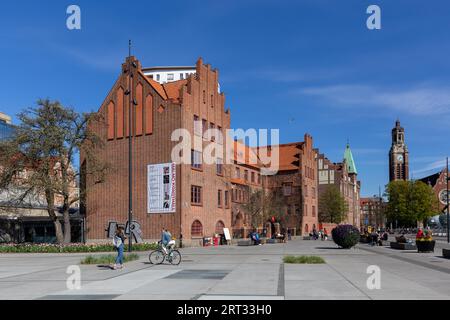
(237, 173)
(138, 110)
(219, 198)
(204, 128)
(196, 159)
(220, 135)
(197, 126)
(149, 114)
(120, 111)
(212, 131)
(111, 123)
(227, 203)
(287, 189)
(196, 195)
(219, 166)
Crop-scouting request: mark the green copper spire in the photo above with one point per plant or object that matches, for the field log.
(348, 157)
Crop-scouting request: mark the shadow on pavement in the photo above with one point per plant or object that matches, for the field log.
(105, 267)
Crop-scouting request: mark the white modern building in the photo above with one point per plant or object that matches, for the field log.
(169, 74)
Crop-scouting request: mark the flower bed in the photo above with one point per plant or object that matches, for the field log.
(69, 248)
(424, 241)
(425, 246)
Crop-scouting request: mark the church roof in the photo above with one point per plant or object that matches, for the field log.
(432, 179)
(348, 158)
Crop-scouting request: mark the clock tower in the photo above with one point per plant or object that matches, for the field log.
(398, 155)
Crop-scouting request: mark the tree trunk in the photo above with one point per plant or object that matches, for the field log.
(67, 227)
(58, 230)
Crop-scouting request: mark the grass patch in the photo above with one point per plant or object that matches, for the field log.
(70, 248)
(303, 259)
(108, 259)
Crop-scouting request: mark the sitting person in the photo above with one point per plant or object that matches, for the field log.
(325, 234)
(256, 239)
(281, 237)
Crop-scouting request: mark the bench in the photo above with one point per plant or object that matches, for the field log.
(245, 243)
(402, 246)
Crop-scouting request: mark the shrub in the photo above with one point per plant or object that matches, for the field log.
(303, 259)
(108, 259)
(69, 248)
(345, 235)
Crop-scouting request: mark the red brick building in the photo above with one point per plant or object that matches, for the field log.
(373, 212)
(344, 176)
(197, 199)
(201, 200)
(295, 181)
(439, 184)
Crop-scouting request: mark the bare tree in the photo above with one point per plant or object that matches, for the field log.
(263, 204)
(37, 162)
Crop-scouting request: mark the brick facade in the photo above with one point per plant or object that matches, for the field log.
(160, 110)
(194, 105)
(337, 174)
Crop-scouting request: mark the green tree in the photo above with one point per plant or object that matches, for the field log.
(37, 162)
(409, 202)
(332, 206)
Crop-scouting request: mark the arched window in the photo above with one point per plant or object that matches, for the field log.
(197, 229)
(219, 227)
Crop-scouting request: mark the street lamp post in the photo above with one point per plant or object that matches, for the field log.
(130, 149)
(448, 209)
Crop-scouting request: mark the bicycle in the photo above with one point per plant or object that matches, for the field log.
(160, 255)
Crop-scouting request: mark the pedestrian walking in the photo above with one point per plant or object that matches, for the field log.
(119, 243)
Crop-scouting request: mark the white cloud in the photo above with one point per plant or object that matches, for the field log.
(416, 100)
(434, 166)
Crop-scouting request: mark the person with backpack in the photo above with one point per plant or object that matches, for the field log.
(119, 244)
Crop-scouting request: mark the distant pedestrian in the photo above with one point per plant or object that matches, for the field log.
(325, 233)
(119, 243)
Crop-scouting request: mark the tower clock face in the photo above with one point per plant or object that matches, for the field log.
(400, 158)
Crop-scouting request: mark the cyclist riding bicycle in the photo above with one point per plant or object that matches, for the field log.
(166, 240)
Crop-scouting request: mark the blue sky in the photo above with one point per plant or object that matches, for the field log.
(301, 66)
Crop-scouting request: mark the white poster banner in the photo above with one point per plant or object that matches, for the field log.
(161, 188)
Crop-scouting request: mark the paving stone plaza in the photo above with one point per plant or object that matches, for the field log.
(235, 273)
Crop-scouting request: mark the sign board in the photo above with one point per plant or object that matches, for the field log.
(161, 188)
(226, 232)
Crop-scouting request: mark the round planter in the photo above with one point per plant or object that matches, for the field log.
(425, 246)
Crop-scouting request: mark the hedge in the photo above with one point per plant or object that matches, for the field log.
(69, 248)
